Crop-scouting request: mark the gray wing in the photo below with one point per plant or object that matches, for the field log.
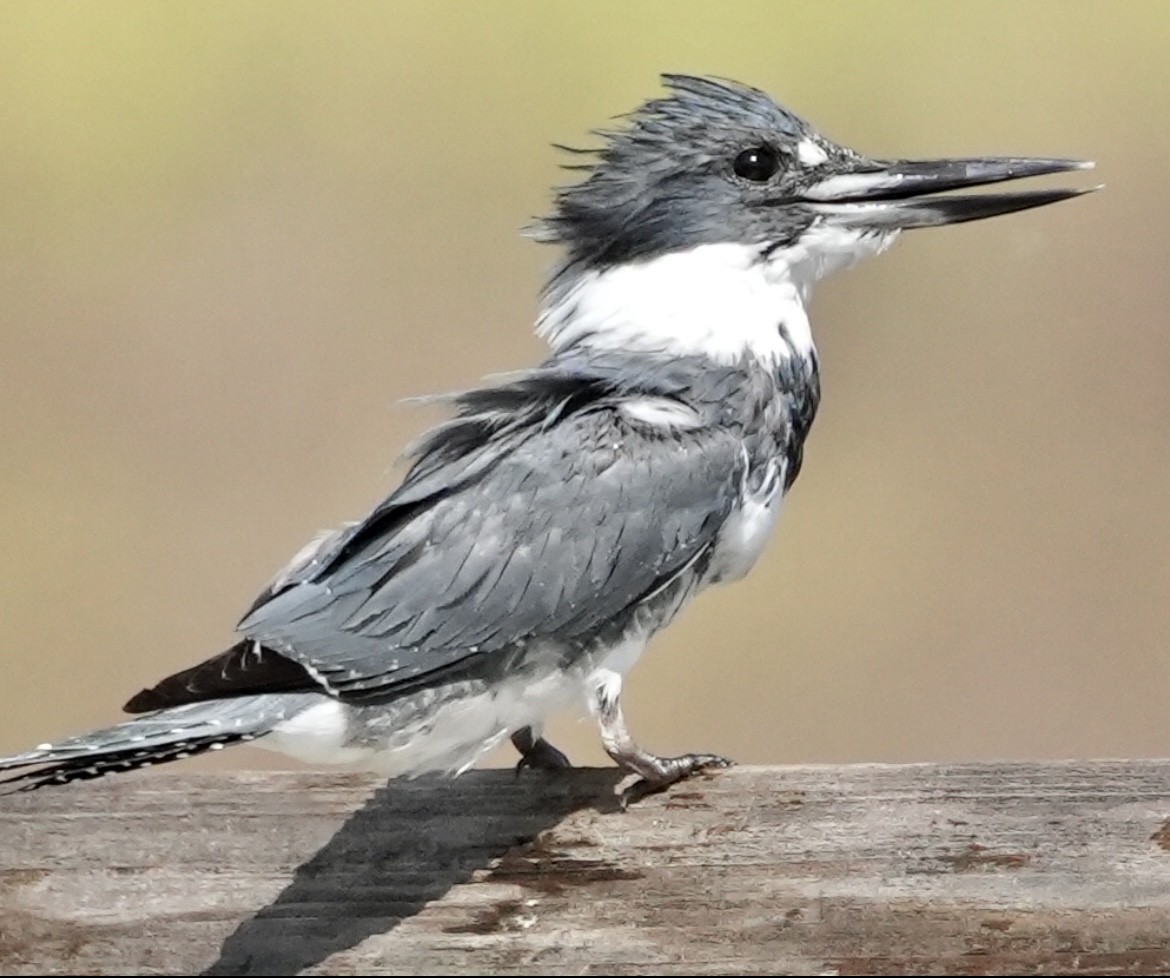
(543, 531)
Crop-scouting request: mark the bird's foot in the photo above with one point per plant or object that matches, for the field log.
(654, 773)
(651, 773)
(537, 753)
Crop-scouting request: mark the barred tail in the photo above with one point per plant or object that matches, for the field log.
(155, 738)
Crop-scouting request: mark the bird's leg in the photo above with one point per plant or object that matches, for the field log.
(654, 772)
(536, 752)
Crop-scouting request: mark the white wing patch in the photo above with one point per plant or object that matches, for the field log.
(660, 412)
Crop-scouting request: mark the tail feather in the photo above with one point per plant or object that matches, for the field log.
(98, 762)
(156, 738)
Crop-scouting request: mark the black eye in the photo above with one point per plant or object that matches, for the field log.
(758, 164)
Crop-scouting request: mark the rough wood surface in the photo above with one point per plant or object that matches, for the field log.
(923, 869)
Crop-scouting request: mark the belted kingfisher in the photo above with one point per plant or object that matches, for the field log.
(566, 513)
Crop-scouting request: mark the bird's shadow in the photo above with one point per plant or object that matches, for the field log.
(408, 845)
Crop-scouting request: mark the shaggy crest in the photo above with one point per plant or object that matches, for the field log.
(622, 208)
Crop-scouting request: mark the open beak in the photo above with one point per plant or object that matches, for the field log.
(899, 194)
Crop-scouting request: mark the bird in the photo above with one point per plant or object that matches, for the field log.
(564, 514)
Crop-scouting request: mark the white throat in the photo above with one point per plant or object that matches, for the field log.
(723, 302)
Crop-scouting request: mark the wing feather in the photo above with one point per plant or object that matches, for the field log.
(540, 510)
(557, 533)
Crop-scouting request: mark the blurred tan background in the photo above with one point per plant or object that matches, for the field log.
(234, 235)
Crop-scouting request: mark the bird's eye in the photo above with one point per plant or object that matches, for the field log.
(757, 164)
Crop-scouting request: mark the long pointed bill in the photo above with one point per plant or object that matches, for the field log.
(894, 196)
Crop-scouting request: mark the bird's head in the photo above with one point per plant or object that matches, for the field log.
(715, 163)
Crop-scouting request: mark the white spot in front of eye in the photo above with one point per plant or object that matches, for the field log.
(810, 154)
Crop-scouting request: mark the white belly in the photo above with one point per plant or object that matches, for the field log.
(450, 738)
(453, 735)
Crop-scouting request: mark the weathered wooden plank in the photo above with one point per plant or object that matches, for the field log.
(925, 869)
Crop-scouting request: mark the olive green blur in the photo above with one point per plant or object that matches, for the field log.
(234, 236)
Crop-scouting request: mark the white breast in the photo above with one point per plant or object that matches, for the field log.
(747, 530)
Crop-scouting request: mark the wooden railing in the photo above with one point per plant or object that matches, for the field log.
(1050, 868)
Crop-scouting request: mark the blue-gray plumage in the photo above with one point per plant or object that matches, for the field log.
(565, 514)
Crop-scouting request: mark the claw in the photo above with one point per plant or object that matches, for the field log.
(659, 773)
(537, 753)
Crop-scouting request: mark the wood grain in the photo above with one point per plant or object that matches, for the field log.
(1055, 868)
